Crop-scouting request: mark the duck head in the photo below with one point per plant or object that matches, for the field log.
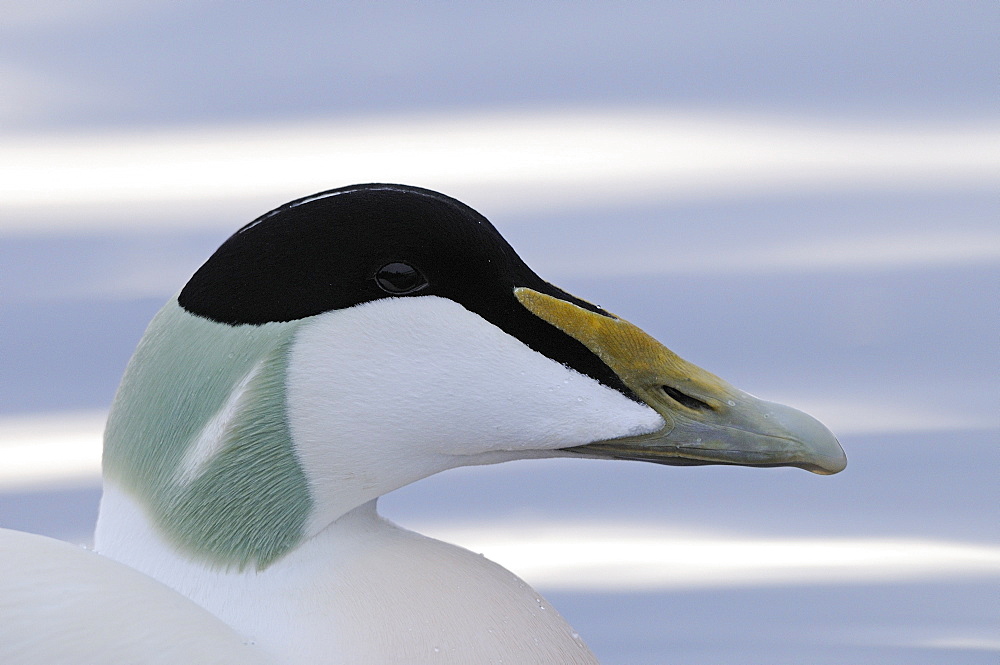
(352, 342)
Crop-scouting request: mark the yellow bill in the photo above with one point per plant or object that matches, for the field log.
(707, 421)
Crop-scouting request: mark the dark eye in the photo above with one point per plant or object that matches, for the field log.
(399, 279)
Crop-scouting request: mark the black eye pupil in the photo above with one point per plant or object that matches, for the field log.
(399, 278)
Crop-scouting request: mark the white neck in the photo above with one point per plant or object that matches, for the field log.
(386, 393)
(300, 437)
(361, 591)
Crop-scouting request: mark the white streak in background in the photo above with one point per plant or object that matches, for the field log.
(974, 643)
(158, 275)
(497, 162)
(64, 449)
(857, 415)
(858, 252)
(51, 451)
(612, 557)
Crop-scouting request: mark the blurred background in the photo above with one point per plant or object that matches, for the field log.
(800, 197)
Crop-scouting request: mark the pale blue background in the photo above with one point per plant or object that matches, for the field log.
(918, 334)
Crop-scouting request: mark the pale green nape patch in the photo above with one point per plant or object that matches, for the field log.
(249, 500)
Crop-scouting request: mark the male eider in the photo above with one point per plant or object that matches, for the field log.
(335, 349)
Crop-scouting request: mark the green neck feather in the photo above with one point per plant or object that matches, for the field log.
(244, 504)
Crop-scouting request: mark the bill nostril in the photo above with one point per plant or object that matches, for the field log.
(686, 400)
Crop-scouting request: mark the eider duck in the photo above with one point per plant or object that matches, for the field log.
(335, 349)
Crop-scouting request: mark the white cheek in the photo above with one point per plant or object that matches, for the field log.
(404, 385)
